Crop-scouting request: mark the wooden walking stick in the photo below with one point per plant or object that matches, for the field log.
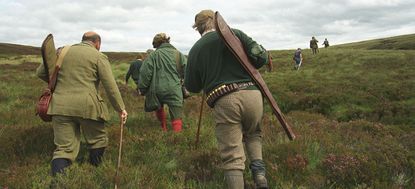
(200, 119)
(119, 155)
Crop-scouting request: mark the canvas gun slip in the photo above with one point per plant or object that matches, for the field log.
(49, 56)
(236, 47)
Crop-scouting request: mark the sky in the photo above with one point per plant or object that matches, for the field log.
(130, 25)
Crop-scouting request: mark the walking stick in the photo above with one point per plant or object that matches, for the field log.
(299, 65)
(200, 119)
(119, 155)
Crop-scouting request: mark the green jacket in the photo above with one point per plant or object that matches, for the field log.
(211, 63)
(76, 93)
(168, 87)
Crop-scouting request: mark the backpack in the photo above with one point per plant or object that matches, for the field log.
(297, 55)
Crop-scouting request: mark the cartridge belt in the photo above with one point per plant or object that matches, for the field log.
(223, 90)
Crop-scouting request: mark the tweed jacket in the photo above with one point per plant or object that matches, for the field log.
(76, 93)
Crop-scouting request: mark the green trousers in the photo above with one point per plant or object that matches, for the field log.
(67, 135)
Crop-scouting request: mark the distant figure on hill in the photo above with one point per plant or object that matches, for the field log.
(298, 59)
(326, 43)
(238, 113)
(270, 65)
(134, 70)
(164, 62)
(314, 45)
(77, 107)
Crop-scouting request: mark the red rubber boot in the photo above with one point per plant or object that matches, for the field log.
(161, 116)
(177, 125)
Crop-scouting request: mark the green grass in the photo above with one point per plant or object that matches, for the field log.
(352, 111)
(345, 84)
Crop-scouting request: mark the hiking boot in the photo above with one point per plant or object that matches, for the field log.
(59, 164)
(260, 182)
(95, 156)
(258, 173)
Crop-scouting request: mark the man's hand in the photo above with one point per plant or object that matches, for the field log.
(123, 116)
(138, 92)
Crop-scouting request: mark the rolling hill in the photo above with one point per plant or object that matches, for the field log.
(402, 42)
(15, 50)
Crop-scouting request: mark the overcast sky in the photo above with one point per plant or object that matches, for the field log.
(131, 25)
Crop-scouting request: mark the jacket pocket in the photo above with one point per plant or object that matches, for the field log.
(98, 109)
(103, 109)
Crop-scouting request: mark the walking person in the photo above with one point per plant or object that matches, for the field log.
(212, 68)
(134, 70)
(326, 43)
(77, 107)
(298, 59)
(164, 62)
(314, 45)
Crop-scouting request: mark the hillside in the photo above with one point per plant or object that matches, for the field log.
(7, 49)
(351, 108)
(402, 42)
(14, 49)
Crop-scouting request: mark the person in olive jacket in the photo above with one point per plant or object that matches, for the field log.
(167, 62)
(238, 113)
(77, 107)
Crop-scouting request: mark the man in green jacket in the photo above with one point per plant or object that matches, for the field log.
(215, 70)
(76, 105)
(166, 62)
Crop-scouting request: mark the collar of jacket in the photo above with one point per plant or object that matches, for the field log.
(208, 31)
(88, 43)
(166, 45)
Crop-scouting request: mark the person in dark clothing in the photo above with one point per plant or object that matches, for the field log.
(326, 43)
(134, 70)
(298, 59)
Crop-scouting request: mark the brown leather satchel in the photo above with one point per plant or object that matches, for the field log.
(42, 105)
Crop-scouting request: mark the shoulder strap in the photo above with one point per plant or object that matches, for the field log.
(54, 77)
(61, 55)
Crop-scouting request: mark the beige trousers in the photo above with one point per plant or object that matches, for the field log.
(238, 116)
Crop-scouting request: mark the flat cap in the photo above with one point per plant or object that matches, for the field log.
(203, 17)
